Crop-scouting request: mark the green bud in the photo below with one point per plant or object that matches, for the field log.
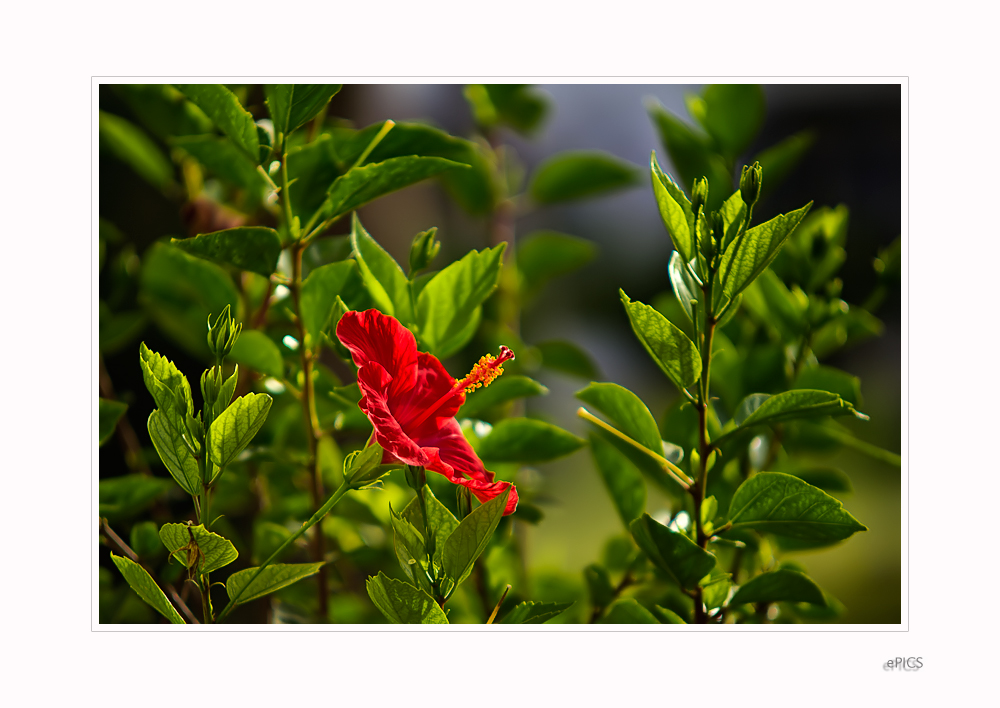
(423, 250)
(699, 194)
(211, 385)
(363, 467)
(416, 477)
(750, 182)
(464, 497)
(222, 335)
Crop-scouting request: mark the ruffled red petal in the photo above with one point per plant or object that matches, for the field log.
(374, 382)
(372, 336)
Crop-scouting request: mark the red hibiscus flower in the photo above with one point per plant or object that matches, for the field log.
(411, 401)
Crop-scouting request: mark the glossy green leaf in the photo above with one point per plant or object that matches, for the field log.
(408, 542)
(827, 378)
(256, 350)
(507, 388)
(535, 612)
(829, 479)
(448, 301)
(626, 410)
(232, 431)
(168, 386)
(293, 105)
(146, 588)
(221, 157)
(670, 348)
(361, 185)
(120, 497)
(176, 456)
(108, 414)
(402, 603)
(748, 256)
(527, 440)
(319, 294)
(385, 280)
(442, 522)
(733, 113)
(543, 255)
(197, 548)
(273, 577)
(136, 149)
(578, 174)
(692, 156)
(622, 480)
(252, 248)
(628, 611)
(779, 586)
(779, 503)
(780, 159)
(675, 210)
(715, 588)
(798, 403)
(567, 358)
(221, 105)
(672, 552)
(686, 289)
(180, 292)
(469, 539)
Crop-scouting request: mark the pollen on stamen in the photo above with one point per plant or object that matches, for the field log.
(486, 370)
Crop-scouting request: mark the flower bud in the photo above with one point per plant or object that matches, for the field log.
(211, 385)
(423, 250)
(363, 467)
(699, 194)
(222, 335)
(718, 227)
(750, 182)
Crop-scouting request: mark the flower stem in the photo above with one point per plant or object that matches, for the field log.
(313, 520)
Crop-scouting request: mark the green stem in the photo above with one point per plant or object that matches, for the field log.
(313, 520)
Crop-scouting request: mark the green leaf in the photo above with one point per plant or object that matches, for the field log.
(221, 105)
(568, 358)
(162, 109)
(448, 301)
(577, 174)
(779, 586)
(469, 539)
(232, 431)
(516, 105)
(442, 522)
(124, 496)
(829, 479)
(543, 255)
(675, 210)
(733, 113)
(686, 290)
(628, 611)
(535, 612)
(361, 185)
(273, 577)
(226, 160)
(256, 350)
(691, 155)
(527, 440)
(133, 147)
(598, 585)
(748, 256)
(179, 292)
(402, 603)
(197, 548)
(715, 588)
(179, 461)
(293, 105)
(146, 588)
(798, 403)
(252, 248)
(780, 159)
(674, 553)
(385, 280)
(506, 388)
(667, 616)
(827, 378)
(774, 304)
(779, 503)
(408, 543)
(108, 414)
(168, 386)
(319, 295)
(626, 411)
(669, 347)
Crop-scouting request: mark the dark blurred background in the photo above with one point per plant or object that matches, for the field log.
(855, 160)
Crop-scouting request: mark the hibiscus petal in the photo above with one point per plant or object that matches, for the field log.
(373, 337)
(375, 382)
(432, 384)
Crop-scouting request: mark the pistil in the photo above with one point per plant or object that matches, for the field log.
(485, 371)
